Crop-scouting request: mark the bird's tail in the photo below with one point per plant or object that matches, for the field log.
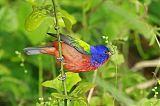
(33, 50)
(39, 50)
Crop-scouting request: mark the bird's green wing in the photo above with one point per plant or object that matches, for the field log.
(78, 44)
(82, 46)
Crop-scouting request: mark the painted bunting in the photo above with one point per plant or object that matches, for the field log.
(78, 56)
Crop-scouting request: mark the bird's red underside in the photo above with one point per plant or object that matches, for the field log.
(73, 60)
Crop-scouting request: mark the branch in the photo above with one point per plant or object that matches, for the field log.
(94, 9)
(92, 89)
(40, 71)
(143, 85)
(149, 63)
(60, 50)
(87, 14)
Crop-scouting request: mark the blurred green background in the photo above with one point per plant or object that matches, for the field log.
(130, 77)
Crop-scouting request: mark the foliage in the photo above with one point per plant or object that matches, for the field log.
(130, 28)
(72, 79)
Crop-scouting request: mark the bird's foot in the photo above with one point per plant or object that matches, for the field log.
(60, 59)
(62, 78)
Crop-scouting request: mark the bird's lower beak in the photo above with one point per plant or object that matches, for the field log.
(110, 53)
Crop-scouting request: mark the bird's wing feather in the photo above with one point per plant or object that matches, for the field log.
(78, 44)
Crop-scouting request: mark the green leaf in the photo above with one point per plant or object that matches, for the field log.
(74, 101)
(67, 23)
(68, 20)
(39, 2)
(79, 103)
(117, 94)
(87, 5)
(96, 101)
(133, 21)
(67, 15)
(35, 19)
(117, 58)
(8, 19)
(36, 2)
(152, 41)
(149, 102)
(32, 2)
(38, 35)
(71, 80)
(13, 86)
(4, 70)
(37, 104)
(61, 96)
(82, 88)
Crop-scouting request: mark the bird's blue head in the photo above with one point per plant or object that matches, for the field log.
(99, 55)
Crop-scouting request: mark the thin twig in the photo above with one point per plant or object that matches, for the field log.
(60, 50)
(40, 77)
(149, 63)
(143, 85)
(157, 41)
(87, 14)
(94, 9)
(116, 82)
(139, 46)
(92, 89)
(158, 66)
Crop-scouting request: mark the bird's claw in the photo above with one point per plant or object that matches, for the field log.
(62, 78)
(60, 59)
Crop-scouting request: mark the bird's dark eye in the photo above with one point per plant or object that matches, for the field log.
(105, 52)
(108, 53)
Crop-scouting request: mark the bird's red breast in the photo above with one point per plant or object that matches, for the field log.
(73, 60)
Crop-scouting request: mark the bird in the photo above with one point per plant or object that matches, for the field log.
(78, 56)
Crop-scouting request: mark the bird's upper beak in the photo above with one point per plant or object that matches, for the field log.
(110, 53)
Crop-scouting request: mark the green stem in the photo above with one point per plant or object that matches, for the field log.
(157, 39)
(158, 66)
(53, 68)
(60, 50)
(84, 21)
(116, 82)
(40, 90)
(139, 47)
(92, 89)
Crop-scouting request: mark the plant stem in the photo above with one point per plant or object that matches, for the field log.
(53, 67)
(91, 90)
(60, 50)
(116, 82)
(139, 46)
(40, 91)
(157, 39)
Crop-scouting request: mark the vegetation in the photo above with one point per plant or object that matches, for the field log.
(130, 28)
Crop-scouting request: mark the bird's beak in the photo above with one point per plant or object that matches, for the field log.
(110, 53)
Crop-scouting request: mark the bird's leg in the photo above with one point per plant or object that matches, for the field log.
(60, 59)
(62, 78)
